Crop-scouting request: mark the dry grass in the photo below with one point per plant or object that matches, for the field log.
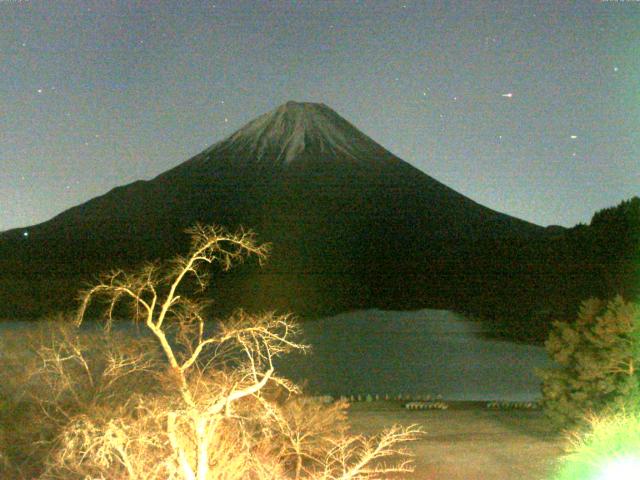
(470, 444)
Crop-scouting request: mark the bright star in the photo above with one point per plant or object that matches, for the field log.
(507, 95)
(573, 137)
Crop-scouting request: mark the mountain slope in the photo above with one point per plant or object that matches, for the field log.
(331, 200)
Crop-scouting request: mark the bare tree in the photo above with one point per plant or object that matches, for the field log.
(221, 411)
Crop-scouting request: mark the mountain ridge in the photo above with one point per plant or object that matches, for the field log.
(287, 142)
(330, 200)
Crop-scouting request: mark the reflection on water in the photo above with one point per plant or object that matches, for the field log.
(422, 352)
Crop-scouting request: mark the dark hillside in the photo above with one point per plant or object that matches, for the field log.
(351, 226)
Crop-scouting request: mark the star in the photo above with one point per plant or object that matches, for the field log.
(615, 69)
(573, 137)
(226, 120)
(39, 90)
(507, 95)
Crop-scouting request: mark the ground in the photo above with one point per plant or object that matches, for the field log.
(469, 443)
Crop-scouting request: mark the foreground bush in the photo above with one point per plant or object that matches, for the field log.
(609, 449)
(192, 400)
(52, 373)
(597, 359)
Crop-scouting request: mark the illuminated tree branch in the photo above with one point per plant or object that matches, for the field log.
(220, 411)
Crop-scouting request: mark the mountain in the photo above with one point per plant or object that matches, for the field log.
(351, 224)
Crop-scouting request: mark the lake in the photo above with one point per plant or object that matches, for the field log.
(433, 352)
(424, 352)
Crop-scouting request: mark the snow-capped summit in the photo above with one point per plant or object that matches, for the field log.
(297, 129)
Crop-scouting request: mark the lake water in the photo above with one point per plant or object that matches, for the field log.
(425, 352)
(432, 352)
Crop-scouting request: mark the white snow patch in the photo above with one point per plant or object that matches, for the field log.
(292, 128)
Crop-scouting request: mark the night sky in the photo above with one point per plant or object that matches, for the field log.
(530, 108)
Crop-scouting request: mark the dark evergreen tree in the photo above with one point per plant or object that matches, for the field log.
(596, 361)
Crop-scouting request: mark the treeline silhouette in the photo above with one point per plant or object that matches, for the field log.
(598, 260)
(517, 285)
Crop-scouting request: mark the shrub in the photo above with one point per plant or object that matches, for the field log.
(53, 372)
(596, 361)
(608, 450)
